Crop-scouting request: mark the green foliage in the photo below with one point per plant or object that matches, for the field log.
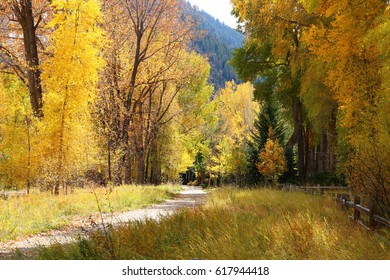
(326, 179)
(248, 61)
(216, 42)
(277, 226)
(268, 118)
(236, 112)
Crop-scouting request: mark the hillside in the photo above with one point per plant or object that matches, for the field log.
(217, 43)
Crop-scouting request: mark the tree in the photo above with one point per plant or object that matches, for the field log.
(236, 113)
(350, 42)
(178, 128)
(268, 118)
(277, 60)
(274, 52)
(70, 78)
(272, 163)
(160, 37)
(148, 72)
(24, 17)
(17, 135)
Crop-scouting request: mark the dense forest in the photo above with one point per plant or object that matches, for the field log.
(102, 92)
(216, 42)
(134, 92)
(325, 65)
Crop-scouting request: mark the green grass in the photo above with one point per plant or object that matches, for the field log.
(38, 212)
(237, 224)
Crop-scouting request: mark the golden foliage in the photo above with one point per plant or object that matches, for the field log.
(18, 135)
(354, 46)
(70, 78)
(236, 112)
(273, 163)
(353, 75)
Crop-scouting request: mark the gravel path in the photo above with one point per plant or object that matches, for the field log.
(189, 197)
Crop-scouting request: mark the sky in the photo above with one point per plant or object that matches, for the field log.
(220, 9)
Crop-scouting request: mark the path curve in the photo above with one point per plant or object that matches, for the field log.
(189, 197)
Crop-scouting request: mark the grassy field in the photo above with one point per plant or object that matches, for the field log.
(38, 212)
(238, 224)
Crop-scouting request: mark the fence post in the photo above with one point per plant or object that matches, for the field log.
(372, 222)
(339, 200)
(345, 198)
(356, 212)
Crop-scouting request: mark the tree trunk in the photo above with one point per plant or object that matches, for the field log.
(155, 177)
(297, 136)
(310, 156)
(26, 19)
(28, 123)
(109, 160)
(155, 171)
(332, 142)
(302, 153)
(128, 167)
(323, 160)
(141, 168)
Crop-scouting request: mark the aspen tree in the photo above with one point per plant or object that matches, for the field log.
(70, 78)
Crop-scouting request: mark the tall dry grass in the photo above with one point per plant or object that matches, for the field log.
(238, 224)
(42, 211)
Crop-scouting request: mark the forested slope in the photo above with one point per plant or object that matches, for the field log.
(217, 41)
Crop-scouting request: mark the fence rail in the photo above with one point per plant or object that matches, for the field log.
(320, 190)
(373, 219)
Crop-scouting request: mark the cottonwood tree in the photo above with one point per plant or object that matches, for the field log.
(22, 41)
(276, 54)
(144, 78)
(350, 42)
(334, 55)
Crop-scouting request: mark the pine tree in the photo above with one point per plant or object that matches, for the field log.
(268, 118)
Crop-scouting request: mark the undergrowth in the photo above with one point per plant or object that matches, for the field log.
(237, 224)
(38, 212)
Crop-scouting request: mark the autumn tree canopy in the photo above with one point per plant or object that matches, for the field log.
(328, 58)
(113, 92)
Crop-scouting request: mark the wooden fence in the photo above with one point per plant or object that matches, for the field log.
(373, 220)
(317, 190)
(367, 217)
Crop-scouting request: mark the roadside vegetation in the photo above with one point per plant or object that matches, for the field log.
(41, 211)
(237, 224)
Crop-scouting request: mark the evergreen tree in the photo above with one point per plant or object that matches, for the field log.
(267, 119)
(217, 42)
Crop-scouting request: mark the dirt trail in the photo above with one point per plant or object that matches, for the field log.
(189, 197)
